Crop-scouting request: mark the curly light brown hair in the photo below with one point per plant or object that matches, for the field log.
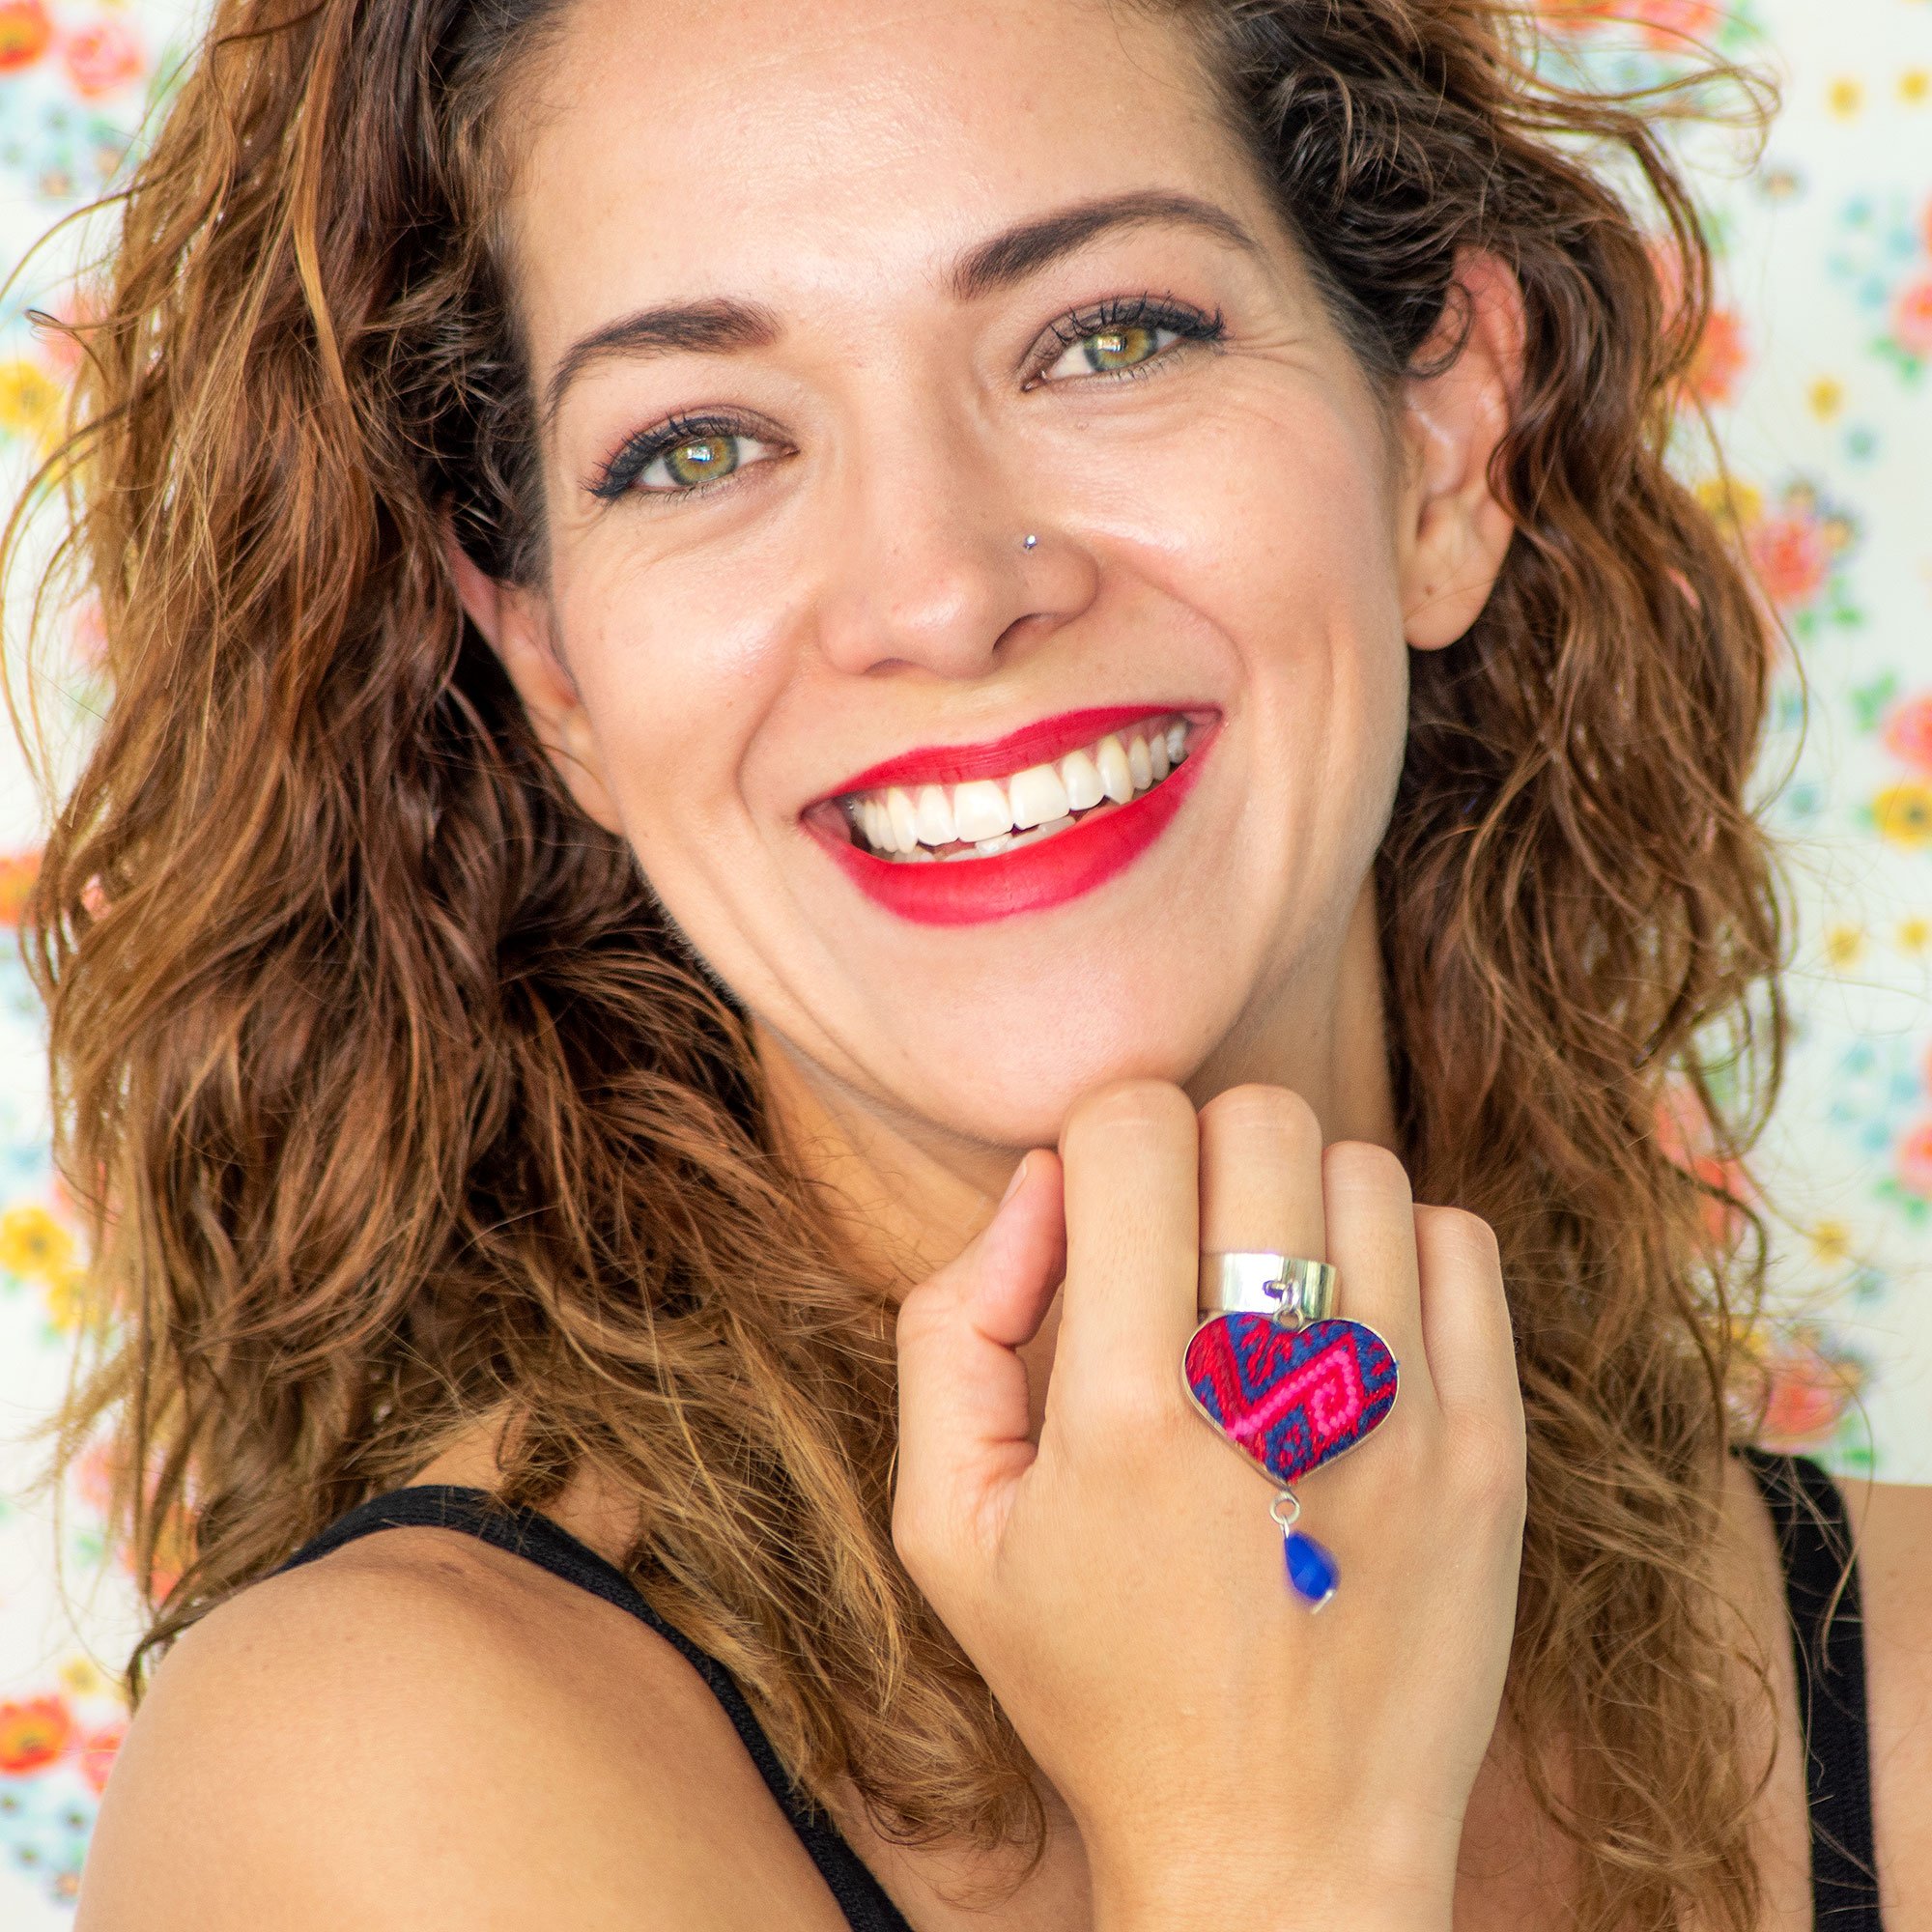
(397, 1102)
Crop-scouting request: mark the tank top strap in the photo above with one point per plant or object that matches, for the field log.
(1821, 1587)
(537, 1539)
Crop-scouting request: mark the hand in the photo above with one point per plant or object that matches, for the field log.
(1226, 1756)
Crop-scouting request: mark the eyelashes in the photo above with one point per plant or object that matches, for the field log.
(703, 442)
(1122, 342)
(1124, 318)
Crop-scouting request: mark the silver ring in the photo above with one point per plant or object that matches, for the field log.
(1291, 1289)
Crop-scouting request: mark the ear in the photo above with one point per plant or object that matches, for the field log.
(515, 623)
(1452, 533)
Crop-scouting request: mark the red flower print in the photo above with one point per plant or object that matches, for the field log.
(96, 1754)
(102, 57)
(1912, 317)
(1671, 24)
(24, 33)
(34, 1733)
(1792, 558)
(1915, 1160)
(17, 872)
(1807, 1393)
(1720, 358)
(1908, 731)
(1572, 15)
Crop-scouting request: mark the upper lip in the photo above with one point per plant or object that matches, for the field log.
(1035, 744)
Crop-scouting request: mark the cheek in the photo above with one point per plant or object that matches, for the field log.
(674, 683)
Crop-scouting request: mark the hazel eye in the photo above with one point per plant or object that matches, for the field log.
(1114, 350)
(698, 461)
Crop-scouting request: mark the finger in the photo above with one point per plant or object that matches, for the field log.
(1371, 1243)
(963, 1398)
(1465, 1317)
(1261, 1173)
(1130, 1156)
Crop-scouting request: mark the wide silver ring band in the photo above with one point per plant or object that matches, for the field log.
(1290, 1288)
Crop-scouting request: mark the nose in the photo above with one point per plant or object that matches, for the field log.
(928, 564)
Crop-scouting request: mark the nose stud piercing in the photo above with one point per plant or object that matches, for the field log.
(1027, 542)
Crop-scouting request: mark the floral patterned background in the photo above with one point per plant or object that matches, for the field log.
(1817, 371)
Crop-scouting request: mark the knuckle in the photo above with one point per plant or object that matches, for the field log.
(1138, 1412)
(1363, 1167)
(1411, 1465)
(1277, 1113)
(925, 1315)
(912, 1536)
(1457, 1235)
(1491, 1462)
(919, 1536)
(1126, 1106)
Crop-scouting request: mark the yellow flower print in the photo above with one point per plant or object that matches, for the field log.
(32, 1242)
(1843, 943)
(1827, 397)
(1904, 814)
(1831, 1243)
(81, 1677)
(30, 402)
(1737, 505)
(69, 1306)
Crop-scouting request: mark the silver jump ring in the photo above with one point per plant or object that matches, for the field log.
(1291, 1289)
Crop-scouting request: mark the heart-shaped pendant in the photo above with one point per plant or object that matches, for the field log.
(1292, 1399)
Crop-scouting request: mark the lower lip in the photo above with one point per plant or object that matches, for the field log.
(969, 892)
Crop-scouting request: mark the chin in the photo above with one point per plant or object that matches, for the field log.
(1003, 1069)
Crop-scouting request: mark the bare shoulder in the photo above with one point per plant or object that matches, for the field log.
(421, 1731)
(1895, 1525)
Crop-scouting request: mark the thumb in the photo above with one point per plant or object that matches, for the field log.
(963, 1410)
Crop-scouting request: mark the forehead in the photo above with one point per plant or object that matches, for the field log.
(792, 148)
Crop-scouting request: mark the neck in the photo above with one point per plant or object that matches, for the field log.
(909, 1196)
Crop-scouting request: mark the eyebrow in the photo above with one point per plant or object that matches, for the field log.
(724, 326)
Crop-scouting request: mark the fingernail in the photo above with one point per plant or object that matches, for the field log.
(1013, 1185)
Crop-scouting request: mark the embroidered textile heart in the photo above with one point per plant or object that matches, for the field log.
(1291, 1398)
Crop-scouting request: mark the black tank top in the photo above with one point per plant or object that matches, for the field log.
(1821, 1585)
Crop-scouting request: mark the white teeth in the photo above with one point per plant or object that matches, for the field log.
(979, 811)
(1037, 795)
(935, 816)
(1081, 776)
(922, 821)
(905, 822)
(1116, 776)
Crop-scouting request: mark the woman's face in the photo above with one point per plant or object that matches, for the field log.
(928, 396)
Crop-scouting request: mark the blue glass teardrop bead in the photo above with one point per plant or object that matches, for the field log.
(1312, 1572)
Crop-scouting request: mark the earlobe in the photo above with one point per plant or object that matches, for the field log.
(515, 623)
(1454, 533)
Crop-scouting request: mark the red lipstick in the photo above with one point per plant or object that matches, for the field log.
(1036, 877)
(1035, 744)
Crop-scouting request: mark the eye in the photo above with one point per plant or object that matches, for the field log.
(1111, 351)
(680, 459)
(1123, 338)
(699, 460)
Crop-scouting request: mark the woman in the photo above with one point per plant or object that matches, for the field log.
(807, 702)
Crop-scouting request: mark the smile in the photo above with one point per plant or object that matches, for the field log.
(984, 817)
(960, 835)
